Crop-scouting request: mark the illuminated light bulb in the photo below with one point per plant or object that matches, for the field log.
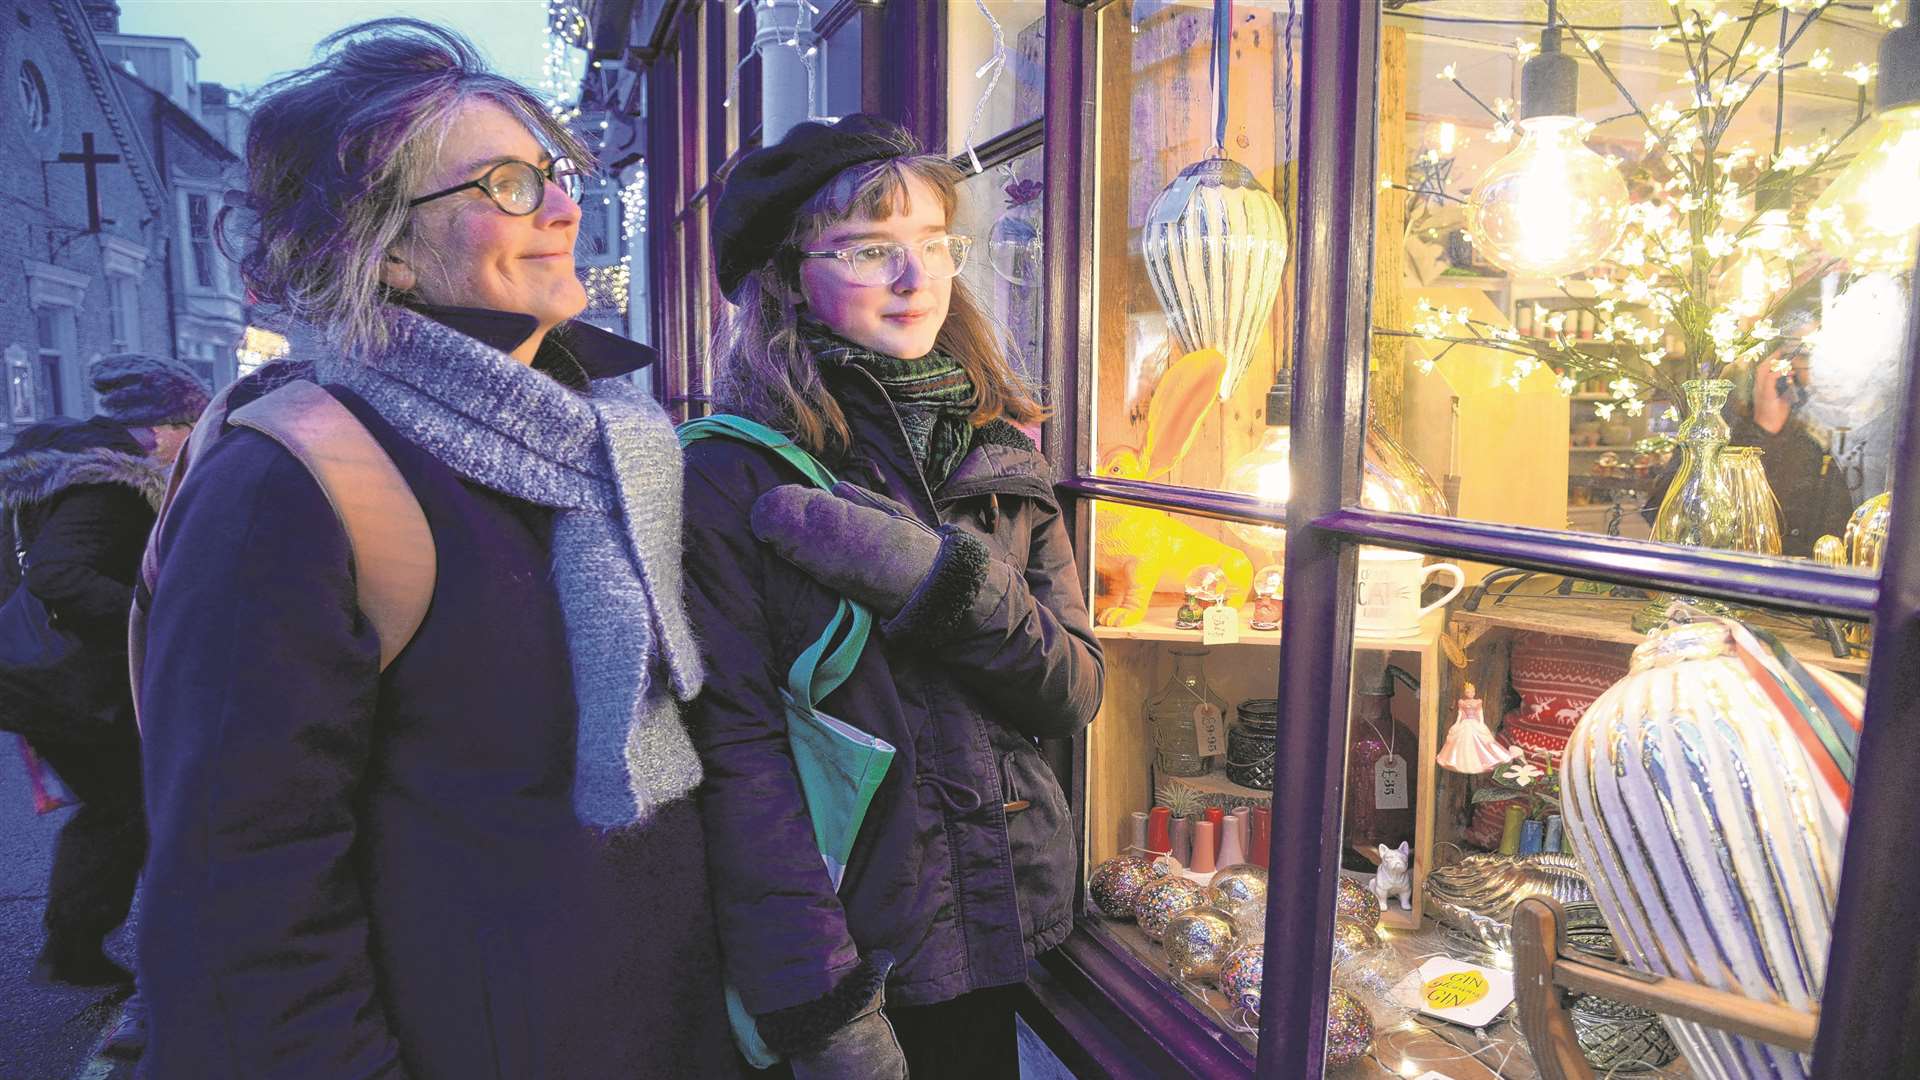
(1390, 477)
(1551, 208)
(1869, 215)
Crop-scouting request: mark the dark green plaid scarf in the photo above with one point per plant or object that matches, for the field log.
(933, 395)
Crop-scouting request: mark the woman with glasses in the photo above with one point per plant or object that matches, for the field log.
(482, 859)
(851, 333)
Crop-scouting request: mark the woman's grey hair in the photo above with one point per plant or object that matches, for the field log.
(336, 150)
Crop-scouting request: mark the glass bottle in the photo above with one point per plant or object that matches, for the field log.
(1181, 713)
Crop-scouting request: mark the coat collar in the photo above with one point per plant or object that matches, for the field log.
(598, 353)
(1001, 461)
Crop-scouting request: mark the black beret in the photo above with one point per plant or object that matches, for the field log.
(768, 186)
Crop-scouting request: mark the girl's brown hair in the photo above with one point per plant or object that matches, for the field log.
(763, 371)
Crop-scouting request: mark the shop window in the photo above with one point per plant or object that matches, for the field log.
(1570, 292)
(1505, 745)
(1190, 322)
(1181, 757)
(1000, 209)
(984, 103)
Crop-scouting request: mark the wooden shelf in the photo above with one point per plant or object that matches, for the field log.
(1158, 626)
(1602, 618)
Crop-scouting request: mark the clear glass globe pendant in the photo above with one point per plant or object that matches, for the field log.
(1869, 215)
(1552, 207)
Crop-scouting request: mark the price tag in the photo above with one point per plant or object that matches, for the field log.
(1390, 783)
(1220, 625)
(1209, 729)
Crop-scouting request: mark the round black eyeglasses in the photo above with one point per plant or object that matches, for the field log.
(517, 187)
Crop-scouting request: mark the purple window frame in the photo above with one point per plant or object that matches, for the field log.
(1145, 1020)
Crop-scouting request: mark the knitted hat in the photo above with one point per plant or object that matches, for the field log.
(768, 186)
(140, 390)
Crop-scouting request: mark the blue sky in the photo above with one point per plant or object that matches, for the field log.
(242, 43)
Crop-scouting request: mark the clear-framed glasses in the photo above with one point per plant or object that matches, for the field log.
(882, 262)
(518, 187)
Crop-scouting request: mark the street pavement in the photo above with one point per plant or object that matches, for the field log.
(48, 1033)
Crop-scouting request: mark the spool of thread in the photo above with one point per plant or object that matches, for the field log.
(1510, 835)
(1532, 835)
(1556, 834)
(1159, 837)
(1183, 839)
(1233, 850)
(1203, 842)
(1137, 832)
(1260, 841)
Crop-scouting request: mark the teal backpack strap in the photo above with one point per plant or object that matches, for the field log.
(816, 673)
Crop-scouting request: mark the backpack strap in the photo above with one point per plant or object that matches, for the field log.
(816, 673)
(394, 561)
(395, 564)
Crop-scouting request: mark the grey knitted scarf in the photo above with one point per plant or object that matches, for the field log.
(607, 462)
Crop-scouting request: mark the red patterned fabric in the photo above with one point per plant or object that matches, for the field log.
(1556, 678)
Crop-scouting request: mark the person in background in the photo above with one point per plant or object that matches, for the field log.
(1765, 412)
(850, 332)
(82, 495)
(482, 860)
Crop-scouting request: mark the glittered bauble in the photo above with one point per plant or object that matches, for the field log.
(1240, 890)
(1349, 1029)
(1161, 900)
(1240, 974)
(1351, 939)
(1116, 883)
(1197, 941)
(1352, 900)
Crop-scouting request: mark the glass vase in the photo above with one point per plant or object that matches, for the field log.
(1176, 714)
(1702, 507)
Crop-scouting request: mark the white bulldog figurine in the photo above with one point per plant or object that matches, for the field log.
(1394, 877)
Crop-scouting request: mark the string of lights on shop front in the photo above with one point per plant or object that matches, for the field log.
(1719, 249)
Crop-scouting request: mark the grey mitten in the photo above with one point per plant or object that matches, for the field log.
(866, 547)
(863, 1048)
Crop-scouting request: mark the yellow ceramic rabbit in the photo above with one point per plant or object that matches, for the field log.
(1136, 549)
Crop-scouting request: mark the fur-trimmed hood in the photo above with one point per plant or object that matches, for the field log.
(38, 475)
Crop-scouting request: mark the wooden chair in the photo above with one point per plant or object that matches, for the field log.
(1545, 968)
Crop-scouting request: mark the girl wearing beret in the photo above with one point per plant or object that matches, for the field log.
(851, 333)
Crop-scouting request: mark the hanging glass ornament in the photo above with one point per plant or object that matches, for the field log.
(1215, 241)
(1215, 250)
(1014, 242)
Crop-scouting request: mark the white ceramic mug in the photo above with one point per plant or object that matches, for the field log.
(1387, 591)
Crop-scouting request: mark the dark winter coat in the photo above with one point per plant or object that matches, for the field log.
(364, 874)
(83, 494)
(949, 875)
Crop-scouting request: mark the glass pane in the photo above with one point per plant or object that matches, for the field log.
(1530, 742)
(984, 103)
(1180, 760)
(1194, 291)
(1674, 242)
(842, 68)
(1001, 209)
